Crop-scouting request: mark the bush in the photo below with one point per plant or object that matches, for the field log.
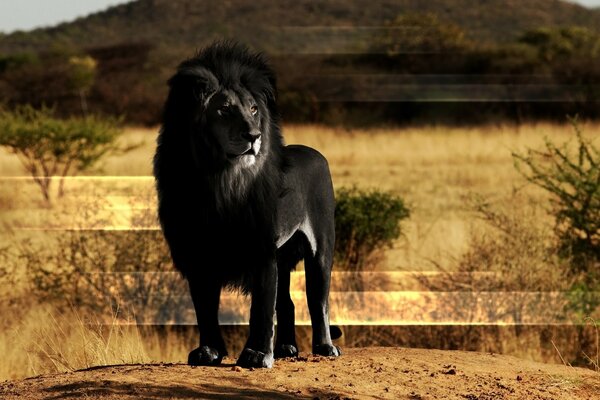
(513, 252)
(572, 178)
(365, 223)
(48, 146)
(571, 175)
(96, 271)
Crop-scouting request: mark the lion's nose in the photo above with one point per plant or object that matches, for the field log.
(251, 136)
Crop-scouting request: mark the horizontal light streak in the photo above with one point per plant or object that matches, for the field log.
(354, 323)
(81, 178)
(341, 281)
(115, 228)
(379, 308)
(338, 90)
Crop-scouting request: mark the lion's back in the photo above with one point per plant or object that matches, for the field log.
(308, 168)
(307, 172)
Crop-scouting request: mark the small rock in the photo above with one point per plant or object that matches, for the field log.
(451, 371)
(236, 368)
(519, 378)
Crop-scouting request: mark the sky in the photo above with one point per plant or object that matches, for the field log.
(29, 14)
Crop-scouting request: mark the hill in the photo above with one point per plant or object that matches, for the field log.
(335, 60)
(382, 373)
(290, 25)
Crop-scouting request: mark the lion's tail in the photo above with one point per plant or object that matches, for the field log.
(335, 332)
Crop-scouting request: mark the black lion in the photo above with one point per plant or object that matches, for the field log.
(238, 208)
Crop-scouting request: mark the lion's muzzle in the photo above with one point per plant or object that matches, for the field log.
(252, 135)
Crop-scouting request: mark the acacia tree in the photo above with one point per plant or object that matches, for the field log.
(50, 147)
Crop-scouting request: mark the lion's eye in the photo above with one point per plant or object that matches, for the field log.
(224, 109)
(253, 110)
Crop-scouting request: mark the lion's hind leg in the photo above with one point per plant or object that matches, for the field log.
(318, 277)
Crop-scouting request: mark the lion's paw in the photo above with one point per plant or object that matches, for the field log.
(286, 350)
(205, 355)
(255, 359)
(327, 350)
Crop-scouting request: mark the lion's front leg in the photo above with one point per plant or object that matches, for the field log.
(258, 352)
(205, 295)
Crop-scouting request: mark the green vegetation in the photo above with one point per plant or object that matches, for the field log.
(83, 73)
(366, 222)
(563, 42)
(570, 173)
(49, 147)
(410, 33)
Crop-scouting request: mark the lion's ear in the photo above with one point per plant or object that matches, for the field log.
(196, 81)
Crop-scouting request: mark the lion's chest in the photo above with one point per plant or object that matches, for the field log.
(235, 239)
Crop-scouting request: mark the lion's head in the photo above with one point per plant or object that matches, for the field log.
(221, 116)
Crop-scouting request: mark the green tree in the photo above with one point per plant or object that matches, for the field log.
(49, 147)
(420, 33)
(553, 43)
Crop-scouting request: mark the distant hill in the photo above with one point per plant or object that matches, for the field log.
(327, 53)
(288, 26)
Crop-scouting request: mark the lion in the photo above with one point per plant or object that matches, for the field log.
(238, 208)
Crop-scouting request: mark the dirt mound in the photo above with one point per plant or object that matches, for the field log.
(387, 373)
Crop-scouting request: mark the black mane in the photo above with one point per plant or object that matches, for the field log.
(203, 206)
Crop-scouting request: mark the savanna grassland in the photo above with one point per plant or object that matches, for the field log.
(436, 169)
(444, 174)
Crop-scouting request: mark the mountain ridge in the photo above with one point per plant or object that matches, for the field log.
(265, 24)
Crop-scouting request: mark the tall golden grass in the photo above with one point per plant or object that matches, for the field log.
(436, 169)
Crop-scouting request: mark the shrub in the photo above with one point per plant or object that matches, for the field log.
(48, 146)
(365, 223)
(96, 271)
(570, 173)
(572, 178)
(513, 249)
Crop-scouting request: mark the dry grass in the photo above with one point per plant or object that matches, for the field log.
(594, 359)
(435, 169)
(47, 341)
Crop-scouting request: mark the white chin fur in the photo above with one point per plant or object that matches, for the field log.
(247, 160)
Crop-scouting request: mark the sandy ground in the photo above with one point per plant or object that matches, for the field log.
(380, 373)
